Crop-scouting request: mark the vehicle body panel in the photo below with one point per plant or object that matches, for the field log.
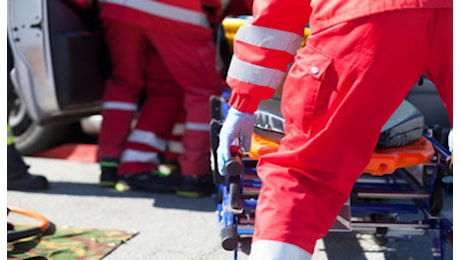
(59, 60)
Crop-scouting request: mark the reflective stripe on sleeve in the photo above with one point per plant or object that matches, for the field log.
(166, 11)
(254, 74)
(119, 105)
(269, 38)
(130, 155)
(147, 138)
(197, 126)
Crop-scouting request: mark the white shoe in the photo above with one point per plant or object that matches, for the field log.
(276, 250)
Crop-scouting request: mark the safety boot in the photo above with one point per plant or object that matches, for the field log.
(151, 181)
(196, 186)
(23, 180)
(108, 175)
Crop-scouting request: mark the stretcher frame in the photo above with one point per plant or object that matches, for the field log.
(371, 207)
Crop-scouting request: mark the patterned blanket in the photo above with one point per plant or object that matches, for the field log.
(67, 243)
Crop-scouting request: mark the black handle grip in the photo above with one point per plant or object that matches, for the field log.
(234, 166)
(229, 238)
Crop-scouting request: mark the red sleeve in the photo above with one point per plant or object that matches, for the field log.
(273, 16)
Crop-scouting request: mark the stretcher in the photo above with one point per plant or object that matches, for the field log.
(399, 195)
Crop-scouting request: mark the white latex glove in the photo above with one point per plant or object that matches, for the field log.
(237, 125)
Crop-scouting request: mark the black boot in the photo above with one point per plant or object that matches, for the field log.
(109, 168)
(196, 186)
(25, 181)
(152, 181)
(18, 174)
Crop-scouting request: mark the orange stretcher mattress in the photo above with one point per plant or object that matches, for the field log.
(383, 161)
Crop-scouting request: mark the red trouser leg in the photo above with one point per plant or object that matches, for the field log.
(333, 117)
(126, 46)
(192, 64)
(175, 147)
(161, 108)
(440, 63)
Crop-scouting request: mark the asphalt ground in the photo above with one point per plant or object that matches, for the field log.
(171, 227)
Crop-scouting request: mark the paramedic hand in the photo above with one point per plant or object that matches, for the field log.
(237, 125)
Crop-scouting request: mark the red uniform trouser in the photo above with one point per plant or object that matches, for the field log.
(175, 148)
(342, 88)
(176, 72)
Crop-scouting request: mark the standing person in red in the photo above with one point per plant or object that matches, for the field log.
(167, 47)
(238, 7)
(360, 61)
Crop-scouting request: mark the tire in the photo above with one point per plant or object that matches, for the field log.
(30, 138)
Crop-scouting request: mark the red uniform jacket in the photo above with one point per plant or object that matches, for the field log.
(264, 47)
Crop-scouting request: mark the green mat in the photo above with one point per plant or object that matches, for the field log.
(68, 243)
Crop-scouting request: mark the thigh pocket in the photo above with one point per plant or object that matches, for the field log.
(303, 88)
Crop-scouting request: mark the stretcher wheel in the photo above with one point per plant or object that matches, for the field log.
(380, 235)
(229, 238)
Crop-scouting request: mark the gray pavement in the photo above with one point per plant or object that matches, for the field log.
(170, 227)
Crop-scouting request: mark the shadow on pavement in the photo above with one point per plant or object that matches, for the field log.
(353, 245)
(337, 245)
(161, 200)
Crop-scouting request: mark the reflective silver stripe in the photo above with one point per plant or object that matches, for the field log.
(197, 126)
(175, 147)
(147, 138)
(119, 105)
(178, 129)
(130, 155)
(165, 11)
(255, 74)
(269, 38)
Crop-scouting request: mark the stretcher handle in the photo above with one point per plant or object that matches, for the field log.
(234, 166)
(229, 238)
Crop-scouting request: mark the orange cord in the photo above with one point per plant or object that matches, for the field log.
(44, 223)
